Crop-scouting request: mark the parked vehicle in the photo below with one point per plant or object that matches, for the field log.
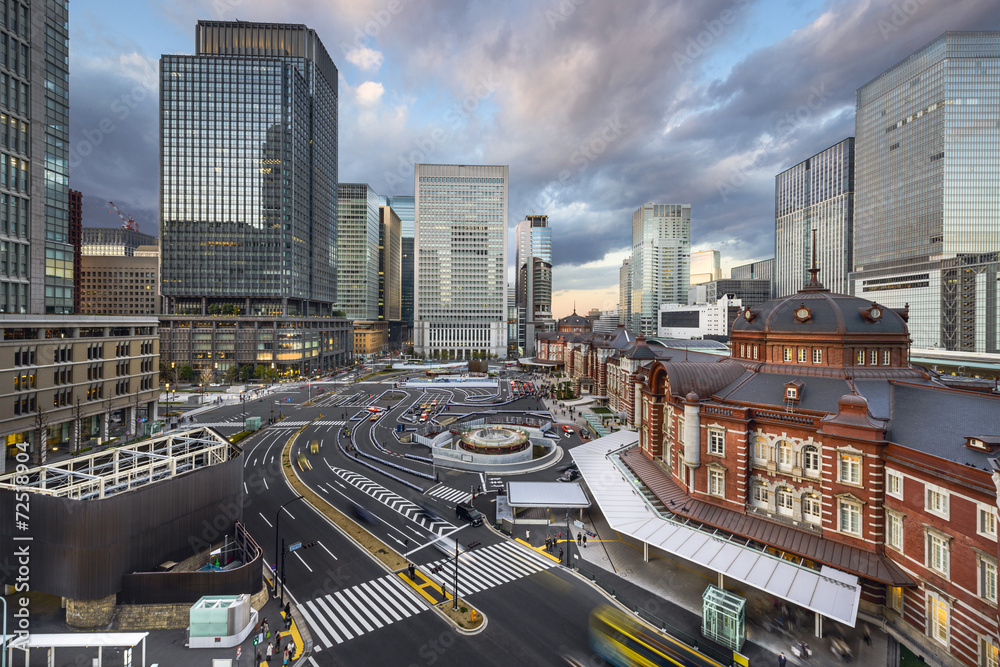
(569, 475)
(467, 512)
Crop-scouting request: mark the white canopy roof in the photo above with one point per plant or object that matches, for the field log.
(70, 639)
(832, 593)
(546, 494)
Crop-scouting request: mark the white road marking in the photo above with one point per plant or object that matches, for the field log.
(265, 519)
(303, 561)
(327, 550)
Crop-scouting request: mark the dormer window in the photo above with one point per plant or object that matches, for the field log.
(803, 313)
(983, 443)
(793, 391)
(872, 313)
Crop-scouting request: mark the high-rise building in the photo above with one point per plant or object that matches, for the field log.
(705, 265)
(248, 201)
(625, 293)
(661, 261)
(389, 265)
(357, 251)
(926, 215)
(750, 291)
(533, 280)
(119, 284)
(113, 241)
(460, 269)
(816, 195)
(761, 270)
(403, 206)
(37, 271)
(76, 240)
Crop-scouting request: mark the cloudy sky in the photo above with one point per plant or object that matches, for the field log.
(597, 106)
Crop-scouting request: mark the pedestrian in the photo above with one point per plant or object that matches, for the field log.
(270, 652)
(259, 657)
(277, 642)
(267, 630)
(868, 635)
(291, 649)
(782, 660)
(585, 540)
(285, 656)
(527, 536)
(579, 540)
(560, 554)
(548, 543)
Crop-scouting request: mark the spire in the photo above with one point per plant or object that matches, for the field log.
(814, 285)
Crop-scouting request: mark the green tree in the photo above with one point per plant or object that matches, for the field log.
(246, 372)
(232, 373)
(186, 373)
(213, 309)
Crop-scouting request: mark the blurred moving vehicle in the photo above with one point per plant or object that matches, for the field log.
(362, 513)
(622, 640)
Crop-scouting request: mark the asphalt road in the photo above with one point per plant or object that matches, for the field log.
(536, 610)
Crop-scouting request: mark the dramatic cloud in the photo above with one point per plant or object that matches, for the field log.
(597, 107)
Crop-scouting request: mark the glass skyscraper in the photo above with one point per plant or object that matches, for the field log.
(403, 206)
(460, 270)
(661, 261)
(927, 218)
(358, 251)
(248, 197)
(817, 195)
(533, 280)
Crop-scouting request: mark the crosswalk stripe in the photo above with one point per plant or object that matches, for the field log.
(361, 611)
(323, 611)
(340, 617)
(402, 593)
(526, 554)
(309, 611)
(385, 611)
(513, 570)
(345, 610)
(399, 606)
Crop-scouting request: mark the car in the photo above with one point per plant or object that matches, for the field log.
(566, 429)
(467, 512)
(373, 418)
(362, 513)
(430, 511)
(569, 475)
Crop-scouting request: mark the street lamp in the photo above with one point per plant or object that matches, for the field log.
(277, 523)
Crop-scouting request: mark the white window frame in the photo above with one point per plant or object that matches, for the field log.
(936, 629)
(886, 357)
(743, 350)
(808, 452)
(808, 502)
(717, 482)
(802, 355)
(936, 500)
(754, 351)
(986, 521)
(937, 553)
(861, 358)
(896, 598)
(791, 394)
(717, 441)
(852, 510)
(786, 454)
(784, 501)
(849, 468)
(986, 577)
(817, 356)
(893, 484)
(761, 446)
(894, 531)
(989, 651)
(874, 358)
(788, 354)
(760, 496)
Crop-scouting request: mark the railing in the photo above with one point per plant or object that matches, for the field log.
(784, 417)
(716, 410)
(704, 646)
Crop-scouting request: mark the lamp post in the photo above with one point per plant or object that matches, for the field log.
(277, 523)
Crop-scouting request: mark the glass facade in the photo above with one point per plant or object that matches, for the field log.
(460, 268)
(661, 261)
(927, 220)
(248, 148)
(533, 266)
(403, 206)
(625, 293)
(815, 195)
(390, 265)
(357, 251)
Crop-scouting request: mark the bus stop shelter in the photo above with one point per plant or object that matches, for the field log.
(546, 495)
(81, 640)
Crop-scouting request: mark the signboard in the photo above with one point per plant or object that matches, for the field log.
(293, 547)
(578, 524)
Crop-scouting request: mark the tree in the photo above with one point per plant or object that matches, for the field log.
(40, 426)
(260, 371)
(168, 374)
(206, 376)
(232, 374)
(246, 372)
(186, 373)
(213, 309)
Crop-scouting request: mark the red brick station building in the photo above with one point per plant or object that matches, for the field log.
(818, 443)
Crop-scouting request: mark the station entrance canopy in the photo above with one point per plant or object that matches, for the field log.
(828, 592)
(550, 495)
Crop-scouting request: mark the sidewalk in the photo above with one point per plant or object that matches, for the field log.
(674, 587)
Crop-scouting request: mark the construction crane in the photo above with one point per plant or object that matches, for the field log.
(127, 223)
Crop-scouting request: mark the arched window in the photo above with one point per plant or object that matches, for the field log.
(786, 455)
(761, 451)
(810, 461)
(760, 496)
(784, 501)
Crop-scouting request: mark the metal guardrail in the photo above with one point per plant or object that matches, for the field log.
(702, 645)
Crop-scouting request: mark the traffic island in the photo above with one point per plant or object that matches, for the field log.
(466, 619)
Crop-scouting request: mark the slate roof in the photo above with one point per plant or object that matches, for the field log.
(831, 313)
(574, 320)
(702, 377)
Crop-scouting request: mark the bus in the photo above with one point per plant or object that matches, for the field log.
(623, 641)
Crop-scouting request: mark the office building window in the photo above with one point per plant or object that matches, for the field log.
(987, 578)
(785, 501)
(894, 530)
(811, 460)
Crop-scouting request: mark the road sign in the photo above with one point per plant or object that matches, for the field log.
(293, 547)
(578, 524)
(239, 650)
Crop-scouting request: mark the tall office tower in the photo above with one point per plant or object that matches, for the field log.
(403, 206)
(926, 215)
(76, 240)
(815, 195)
(761, 270)
(661, 261)
(248, 200)
(113, 241)
(389, 265)
(513, 320)
(705, 265)
(533, 280)
(625, 293)
(37, 271)
(460, 269)
(357, 251)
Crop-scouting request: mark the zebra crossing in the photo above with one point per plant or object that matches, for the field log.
(484, 568)
(451, 495)
(352, 612)
(394, 501)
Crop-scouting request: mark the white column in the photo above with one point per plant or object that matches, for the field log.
(645, 551)
(819, 625)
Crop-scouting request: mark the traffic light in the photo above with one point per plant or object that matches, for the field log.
(311, 544)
